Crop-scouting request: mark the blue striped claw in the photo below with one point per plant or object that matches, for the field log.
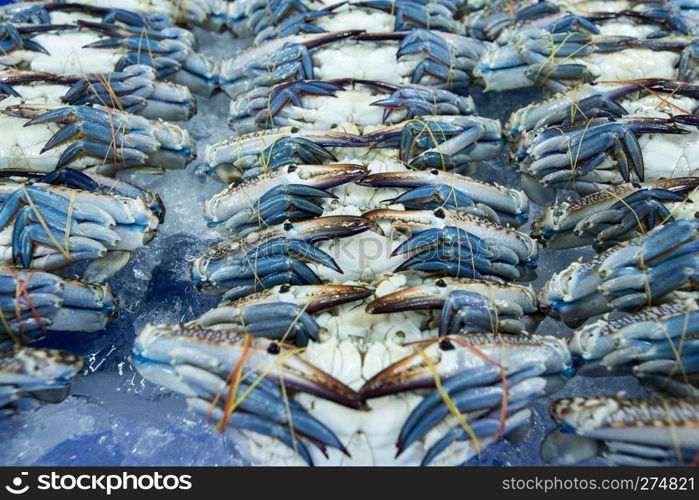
(277, 255)
(113, 138)
(49, 303)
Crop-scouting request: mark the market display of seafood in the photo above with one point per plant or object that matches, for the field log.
(383, 232)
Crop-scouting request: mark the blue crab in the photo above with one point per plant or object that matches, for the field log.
(435, 188)
(246, 157)
(657, 344)
(106, 47)
(490, 379)
(30, 376)
(135, 90)
(645, 270)
(150, 13)
(635, 432)
(292, 192)
(458, 245)
(280, 18)
(23, 13)
(466, 305)
(448, 142)
(503, 20)
(558, 60)
(610, 99)
(591, 155)
(442, 142)
(292, 307)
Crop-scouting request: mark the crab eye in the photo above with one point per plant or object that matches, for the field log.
(434, 171)
(288, 226)
(294, 130)
(439, 213)
(273, 348)
(446, 345)
(292, 168)
(441, 283)
(284, 288)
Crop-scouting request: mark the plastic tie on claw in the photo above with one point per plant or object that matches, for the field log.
(65, 251)
(461, 418)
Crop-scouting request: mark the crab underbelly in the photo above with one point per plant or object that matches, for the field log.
(370, 21)
(58, 17)
(351, 108)
(626, 29)
(20, 147)
(354, 348)
(67, 55)
(686, 210)
(595, 5)
(363, 257)
(366, 61)
(41, 93)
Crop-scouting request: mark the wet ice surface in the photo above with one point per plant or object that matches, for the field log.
(114, 417)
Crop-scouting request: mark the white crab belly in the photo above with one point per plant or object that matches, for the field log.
(67, 54)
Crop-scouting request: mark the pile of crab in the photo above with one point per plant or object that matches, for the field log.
(376, 298)
(67, 223)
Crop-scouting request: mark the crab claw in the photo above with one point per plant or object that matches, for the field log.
(451, 355)
(438, 188)
(38, 373)
(278, 195)
(312, 298)
(273, 256)
(262, 410)
(433, 294)
(473, 390)
(281, 314)
(159, 348)
(467, 305)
